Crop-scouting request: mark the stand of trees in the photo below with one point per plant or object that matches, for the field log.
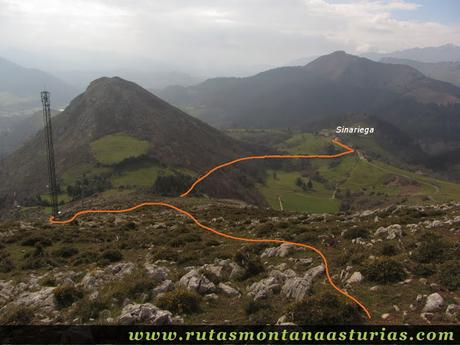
(173, 184)
(300, 182)
(87, 186)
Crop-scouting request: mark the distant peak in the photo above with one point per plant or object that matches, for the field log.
(335, 62)
(339, 55)
(109, 84)
(339, 52)
(107, 80)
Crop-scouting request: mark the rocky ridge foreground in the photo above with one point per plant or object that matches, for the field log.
(155, 267)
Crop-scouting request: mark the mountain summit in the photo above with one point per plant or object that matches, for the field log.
(113, 125)
(112, 105)
(330, 86)
(398, 79)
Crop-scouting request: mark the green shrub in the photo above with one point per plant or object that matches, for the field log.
(48, 281)
(66, 252)
(180, 301)
(130, 226)
(89, 309)
(132, 286)
(389, 249)
(6, 264)
(432, 249)
(353, 254)
(189, 258)
(16, 315)
(424, 270)
(325, 309)
(36, 240)
(307, 237)
(357, 258)
(250, 262)
(84, 258)
(355, 233)
(176, 242)
(449, 275)
(265, 229)
(251, 306)
(385, 271)
(39, 258)
(454, 252)
(163, 253)
(66, 295)
(112, 255)
(259, 312)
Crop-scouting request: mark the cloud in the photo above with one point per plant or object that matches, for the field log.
(207, 36)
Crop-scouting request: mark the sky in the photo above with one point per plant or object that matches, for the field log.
(214, 37)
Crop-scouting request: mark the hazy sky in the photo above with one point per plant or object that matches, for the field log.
(214, 36)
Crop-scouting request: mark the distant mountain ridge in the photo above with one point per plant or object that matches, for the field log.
(448, 71)
(446, 52)
(20, 87)
(333, 85)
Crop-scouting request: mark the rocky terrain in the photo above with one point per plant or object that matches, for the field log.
(156, 267)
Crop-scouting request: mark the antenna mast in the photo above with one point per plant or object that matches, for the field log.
(45, 96)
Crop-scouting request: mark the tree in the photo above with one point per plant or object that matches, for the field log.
(86, 186)
(171, 184)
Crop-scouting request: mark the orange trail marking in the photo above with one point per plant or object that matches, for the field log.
(349, 150)
(248, 158)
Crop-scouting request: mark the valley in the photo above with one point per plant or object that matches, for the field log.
(352, 182)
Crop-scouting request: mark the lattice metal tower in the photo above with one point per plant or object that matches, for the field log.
(48, 132)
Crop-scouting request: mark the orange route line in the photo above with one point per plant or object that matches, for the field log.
(349, 150)
(223, 165)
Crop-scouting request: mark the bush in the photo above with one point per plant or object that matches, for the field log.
(180, 301)
(66, 295)
(48, 281)
(454, 252)
(424, 270)
(89, 309)
(84, 258)
(385, 271)
(130, 226)
(355, 233)
(165, 254)
(449, 275)
(39, 258)
(307, 237)
(112, 255)
(389, 249)
(132, 286)
(259, 312)
(265, 229)
(16, 315)
(66, 252)
(324, 309)
(432, 249)
(251, 306)
(250, 262)
(36, 240)
(6, 264)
